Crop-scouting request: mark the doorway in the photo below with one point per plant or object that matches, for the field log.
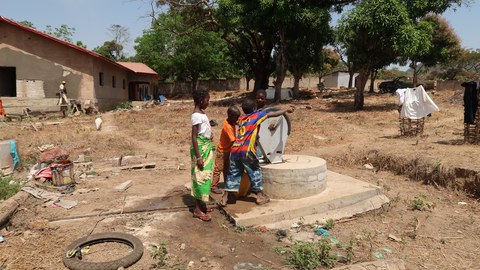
(8, 86)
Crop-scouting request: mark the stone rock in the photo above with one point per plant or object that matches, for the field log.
(81, 158)
(123, 186)
(130, 160)
(247, 266)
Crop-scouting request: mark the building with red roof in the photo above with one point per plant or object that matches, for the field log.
(33, 64)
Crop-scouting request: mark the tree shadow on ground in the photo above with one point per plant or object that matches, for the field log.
(347, 107)
(451, 142)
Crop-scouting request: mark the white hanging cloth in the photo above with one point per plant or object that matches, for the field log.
(417, 103)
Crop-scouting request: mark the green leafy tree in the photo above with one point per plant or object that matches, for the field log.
(327, 61)
(465, 67)
(80, 44)
(179, 55)
(111, 50)
(27, 23)
(64, 32)
(445, 47)
(257, 30)
(379, 32)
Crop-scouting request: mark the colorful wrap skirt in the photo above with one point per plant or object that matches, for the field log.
(202, 179)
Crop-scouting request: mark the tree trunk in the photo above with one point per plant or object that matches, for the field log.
(296, 85)
(416, 70)
(360, 83)
(281, 67)
(351, 73)
(373, 76)
(194, 83)
(261, 80)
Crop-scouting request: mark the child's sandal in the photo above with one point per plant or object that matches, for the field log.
(202, 216)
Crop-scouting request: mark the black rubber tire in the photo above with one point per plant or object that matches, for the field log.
(74, 263)
(274, 109)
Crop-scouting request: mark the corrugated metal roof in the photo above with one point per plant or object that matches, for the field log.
(78, 48)
(138, 67)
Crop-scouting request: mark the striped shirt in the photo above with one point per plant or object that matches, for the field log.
(247, 134)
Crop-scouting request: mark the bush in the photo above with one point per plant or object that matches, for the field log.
(8, 187)
(305, 255)
(124, 105)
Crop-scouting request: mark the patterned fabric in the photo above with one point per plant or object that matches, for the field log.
(249, 164)
(247, 134)
(202, 179)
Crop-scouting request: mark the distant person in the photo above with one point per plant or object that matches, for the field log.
(261, 98)
(63, 100)
(222, 155)
(2, 111)
(243, 153)
(201, 155)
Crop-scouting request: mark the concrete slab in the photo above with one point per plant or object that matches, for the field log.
(343, 197)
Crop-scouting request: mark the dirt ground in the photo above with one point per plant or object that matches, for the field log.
(435, 172)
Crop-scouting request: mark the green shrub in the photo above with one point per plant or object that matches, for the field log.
(124, 105)
(306, 255)
(8, 187)
(159, 253)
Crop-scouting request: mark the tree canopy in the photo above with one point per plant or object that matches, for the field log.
(380, 32)
(178, 55)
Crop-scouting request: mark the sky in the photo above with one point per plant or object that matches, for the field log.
(92, 18)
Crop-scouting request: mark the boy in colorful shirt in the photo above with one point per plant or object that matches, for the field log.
(222, 155)
(243, 153)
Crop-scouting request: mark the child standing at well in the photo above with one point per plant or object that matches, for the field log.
(201, 154)
(243, 153)
(222, 155)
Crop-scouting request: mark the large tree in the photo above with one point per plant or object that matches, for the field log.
(63, 32)
(257, 29)
(445, 47)
(178, 55)
(113, 49)
(379, 32)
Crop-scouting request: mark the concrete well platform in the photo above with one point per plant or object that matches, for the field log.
(343, 197)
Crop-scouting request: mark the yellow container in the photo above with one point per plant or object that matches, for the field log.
(244, 185)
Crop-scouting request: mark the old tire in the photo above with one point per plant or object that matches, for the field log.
(75, 263)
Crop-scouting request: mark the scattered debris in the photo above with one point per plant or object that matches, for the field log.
(123, 186)
(55, 154)
(98, 123)
(247, 266)
(319, 137)
(321, 231)
(67, 204)
(394, 238)
(51, 197)
(139, 166)
(369, 166)
(45, 147)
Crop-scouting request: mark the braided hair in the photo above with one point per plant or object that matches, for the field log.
(199, 95)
